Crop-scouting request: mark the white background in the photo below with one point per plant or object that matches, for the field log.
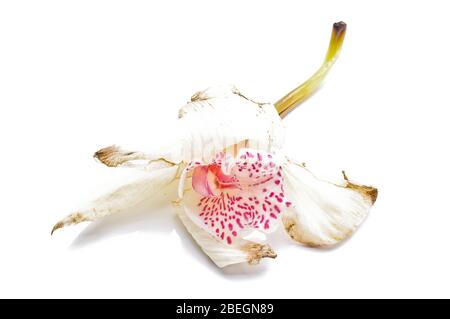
(76, 76)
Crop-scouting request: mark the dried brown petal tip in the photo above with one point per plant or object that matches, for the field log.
(72, 219)
(114, 156)
(57, 226)
(257, 251)
(107, 155)
(369, 192)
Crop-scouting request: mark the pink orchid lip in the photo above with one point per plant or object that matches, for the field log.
(206, 179)
(200, 181)
(223, 180)
(238, 195)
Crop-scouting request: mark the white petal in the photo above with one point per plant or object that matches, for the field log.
(221, 254)
(124, 198)
(323, 213)
(114, 156)
(218, 118)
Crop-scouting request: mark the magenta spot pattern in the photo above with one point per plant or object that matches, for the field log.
(251, 196)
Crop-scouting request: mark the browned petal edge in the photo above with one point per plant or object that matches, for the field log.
(290, 225)
(74, 218)
(111, 156)
(200, 96)
(368, 192)
(196, 96)
(257, 251)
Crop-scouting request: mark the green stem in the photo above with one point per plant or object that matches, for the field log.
(287, 103)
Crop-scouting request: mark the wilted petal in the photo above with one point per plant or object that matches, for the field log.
(221, 117)
(217, 119)
(122, 199)
(323, 213)
(114, 156)
(222, 254)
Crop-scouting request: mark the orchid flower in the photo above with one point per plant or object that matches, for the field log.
(235, 182)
